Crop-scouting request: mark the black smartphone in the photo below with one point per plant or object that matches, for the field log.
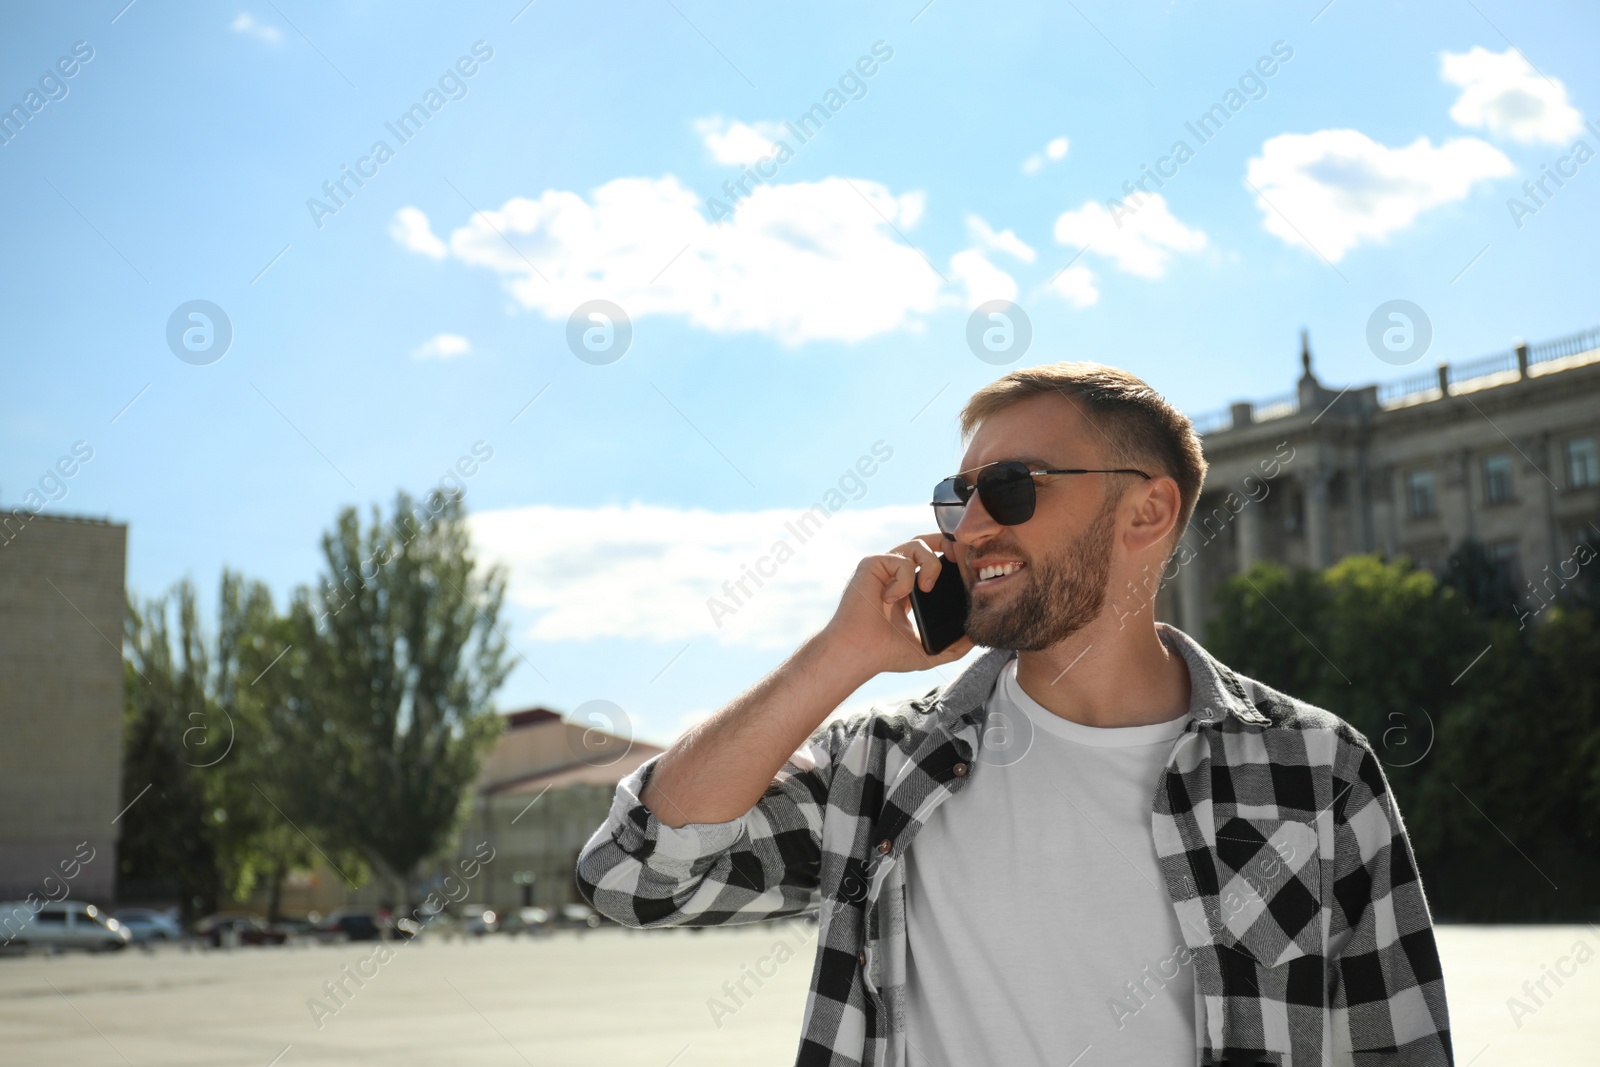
(941, 612)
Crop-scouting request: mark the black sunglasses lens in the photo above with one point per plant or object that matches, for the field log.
(1007, 492)
(951, 491)
(949, 501)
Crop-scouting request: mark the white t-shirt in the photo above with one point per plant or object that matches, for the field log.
(1038, 925)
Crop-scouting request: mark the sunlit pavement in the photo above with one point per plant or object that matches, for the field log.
(611, 997)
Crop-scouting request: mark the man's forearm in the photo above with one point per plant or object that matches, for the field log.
(718, 770)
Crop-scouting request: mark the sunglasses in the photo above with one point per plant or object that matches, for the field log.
(1006, 488)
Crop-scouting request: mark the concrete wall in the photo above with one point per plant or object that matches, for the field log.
(62, 605)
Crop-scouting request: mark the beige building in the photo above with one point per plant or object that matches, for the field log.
(62, 607)
(543, 789)
(1502, 449)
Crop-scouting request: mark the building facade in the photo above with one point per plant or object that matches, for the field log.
(542, 792)
(62, 609)
(543, 789)
(1501, 449)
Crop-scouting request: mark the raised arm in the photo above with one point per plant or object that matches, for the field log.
(719, 769)
(726, 826)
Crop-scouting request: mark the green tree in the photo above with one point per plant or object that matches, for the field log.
(1483, 583)
(168, 842)
(261, 844)
(1515, 789)
(1370, 640)
(200, 732)
(400, 655)
(1488, 730)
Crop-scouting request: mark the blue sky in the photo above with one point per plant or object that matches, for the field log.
(376, 344)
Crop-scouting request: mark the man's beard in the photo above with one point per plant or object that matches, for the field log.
(1060, 595)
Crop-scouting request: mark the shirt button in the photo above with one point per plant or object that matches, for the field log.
(885, 846)
(959, 770)
(862, 956)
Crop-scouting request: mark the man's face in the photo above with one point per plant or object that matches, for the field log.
(1048, 576)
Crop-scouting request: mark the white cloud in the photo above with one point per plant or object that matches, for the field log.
(1340, 188)
(980, 279)
(734, 143)
(1054, 152)
(442, 346)
(1502, 93)
(1141, 240)
(246, 24)
(1076, 286)
(644, 571)
(798, 262)
(1006, 241)
(410, 228)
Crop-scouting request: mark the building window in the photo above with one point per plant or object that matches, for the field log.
(1506, 557)
(1583, 463)
(1422, 500)
(1497, 479)
(1577, 543)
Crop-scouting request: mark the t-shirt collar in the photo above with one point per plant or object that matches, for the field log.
(1215, 692)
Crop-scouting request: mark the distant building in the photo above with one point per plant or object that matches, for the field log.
(1503, 449)
(543, 790)
(62, 608)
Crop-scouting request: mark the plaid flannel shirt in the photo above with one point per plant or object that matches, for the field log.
(1282, 850)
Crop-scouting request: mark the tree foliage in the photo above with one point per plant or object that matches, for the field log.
(1488, 726)
(391, 714)
(350, 726)
(168, 840)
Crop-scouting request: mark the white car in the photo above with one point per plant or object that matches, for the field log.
(147, 924)
(60, 924)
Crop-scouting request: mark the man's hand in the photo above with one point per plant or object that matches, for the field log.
(873, 622)
(721, 767)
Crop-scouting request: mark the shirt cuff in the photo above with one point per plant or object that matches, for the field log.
(673, 851)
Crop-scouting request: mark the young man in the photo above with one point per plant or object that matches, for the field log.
(1096, 845)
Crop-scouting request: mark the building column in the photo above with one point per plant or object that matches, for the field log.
(1461, 474)
(1386, 510)
(1364, 516)
(1550, 458)
(1248, 525)
(1316, 492)
(1191, 598)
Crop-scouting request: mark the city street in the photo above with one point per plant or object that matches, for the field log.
(613, 997)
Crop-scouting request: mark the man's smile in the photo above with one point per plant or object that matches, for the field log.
(991, 573)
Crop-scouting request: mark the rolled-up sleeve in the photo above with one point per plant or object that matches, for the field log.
(764, 864)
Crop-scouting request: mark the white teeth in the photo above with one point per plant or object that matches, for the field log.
(995, 570)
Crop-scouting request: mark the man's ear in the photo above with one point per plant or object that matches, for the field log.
(1156, 504)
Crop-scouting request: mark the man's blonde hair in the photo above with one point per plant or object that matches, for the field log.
(1139, 428)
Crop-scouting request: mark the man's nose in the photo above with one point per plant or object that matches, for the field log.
(976, 524)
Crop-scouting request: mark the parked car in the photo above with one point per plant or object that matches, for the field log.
(304, 926)
(579, 916)
(236, 928)
(62, 924)
(147, 924)
(344, 925)
(525, 920)
(478, 920)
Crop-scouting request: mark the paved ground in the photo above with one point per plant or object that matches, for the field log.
(611, 997)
